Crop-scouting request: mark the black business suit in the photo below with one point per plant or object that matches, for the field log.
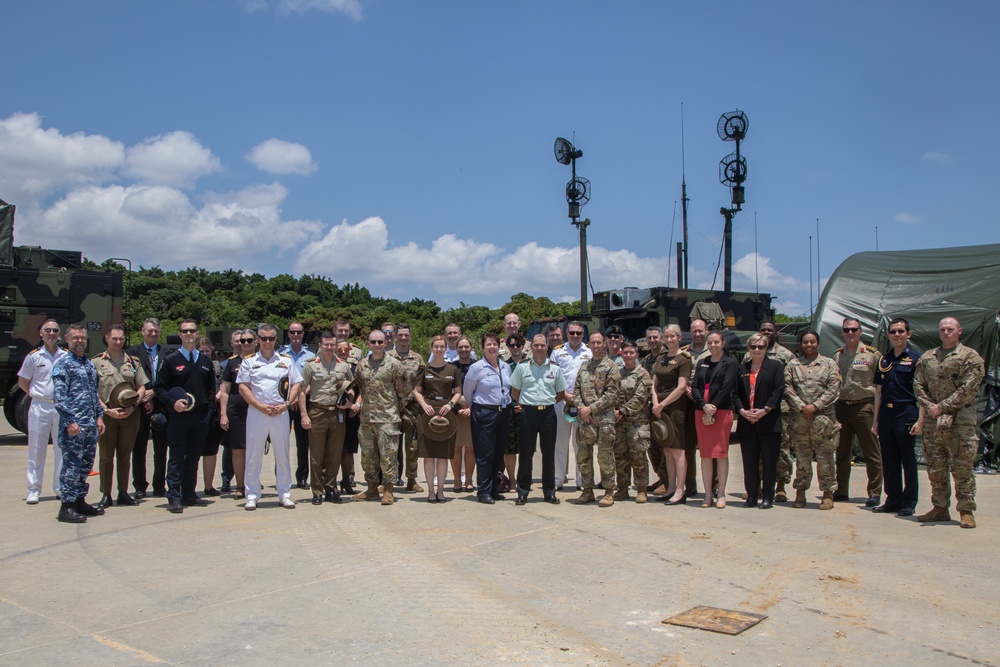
(139, 480)
(760, 441)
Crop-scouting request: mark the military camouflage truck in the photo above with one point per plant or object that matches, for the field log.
(37, 284)
(739, 314)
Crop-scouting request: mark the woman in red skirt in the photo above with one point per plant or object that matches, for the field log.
(714, 381)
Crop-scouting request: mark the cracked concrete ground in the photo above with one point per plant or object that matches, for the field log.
(470, 584)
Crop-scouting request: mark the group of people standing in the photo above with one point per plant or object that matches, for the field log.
(598, 398)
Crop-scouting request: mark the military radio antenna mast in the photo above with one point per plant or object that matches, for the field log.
(684, 206)
(577, 195)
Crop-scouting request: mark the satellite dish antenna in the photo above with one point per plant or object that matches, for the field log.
(733, 169)
(565, 151)
(733, 126)
(578, 191)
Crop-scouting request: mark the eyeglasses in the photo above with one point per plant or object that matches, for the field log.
(388, 332)
(189, 331)
(246, 341)
(575, 333)
(376, 342)
(267, 339)
(851, 329)
(897, 332)
(51, 330)
(758, 347)
(295, 333)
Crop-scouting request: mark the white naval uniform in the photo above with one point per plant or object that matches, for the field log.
(43, 420)
(263, 376)
(570, 362)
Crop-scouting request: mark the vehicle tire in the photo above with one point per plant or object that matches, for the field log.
(21, 413)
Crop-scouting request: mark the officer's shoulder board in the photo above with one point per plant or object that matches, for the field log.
(40, 347)
(686, 353)
(286, 356)
(135, 358)
(235, 356)
(248, 356)
(559, 347)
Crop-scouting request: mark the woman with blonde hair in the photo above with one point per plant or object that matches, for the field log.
(671, 372)
(437, 393)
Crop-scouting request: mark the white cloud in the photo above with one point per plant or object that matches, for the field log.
(454, 266)
(281, 157)
(907, 218)
(159, 225)
(790, 307)
(932, 156)
(748, 274)
(36, 162)
(350, 7)
(174, 159)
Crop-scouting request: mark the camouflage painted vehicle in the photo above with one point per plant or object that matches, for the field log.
(739, 314)
(37, 284)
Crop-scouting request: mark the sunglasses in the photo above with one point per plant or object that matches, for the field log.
(758, 347)
(246, 341)
(268, 339)
(388, 332)
(376, 342)
(851, 329)
(189, 331)
(898, 332)
(515, 344)
(50, 330)
(575, 333)
(295, 333)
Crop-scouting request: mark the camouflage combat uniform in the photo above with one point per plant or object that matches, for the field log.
(816, 382)
(598, 385)
(74, 385)
(409, 409)
(950, 379)
(632, 431)
(382, 385)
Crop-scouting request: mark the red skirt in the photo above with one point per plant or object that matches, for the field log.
(713, 439)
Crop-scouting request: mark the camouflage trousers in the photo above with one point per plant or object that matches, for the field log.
(785, 459)
(599, 432)
(951, 452)
(814, 437)
(77, 461)
(409, 421)
(631, 446)
(379, 446)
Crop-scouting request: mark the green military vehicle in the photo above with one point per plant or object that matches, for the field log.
(738, 314)
(37, 284)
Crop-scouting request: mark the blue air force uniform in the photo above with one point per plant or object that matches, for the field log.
(74, 390)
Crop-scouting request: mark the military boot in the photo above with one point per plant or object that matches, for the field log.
(800, 498)
(586, 497)
(387, 494)
(779, 494)
(68, 514)
(827, 502)
(609, 499)
(86, 509)
(936, 514)
(370, 494)
(967, 520)
(622, 494)
(411, 485)
(640, 494)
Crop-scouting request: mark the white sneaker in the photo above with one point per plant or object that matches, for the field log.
(287, 503)
(32, 497)
(250, 505)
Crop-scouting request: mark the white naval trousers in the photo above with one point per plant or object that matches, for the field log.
(565, 438)
(43, 423)
(259, 428)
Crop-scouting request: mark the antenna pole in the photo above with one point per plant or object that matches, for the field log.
(819, 272)
(756, 275)
(727, 241)
(876, 238)
(582, 225)
(684, 213)
(810, 278)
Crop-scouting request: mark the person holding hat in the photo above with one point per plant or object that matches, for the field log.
(186, 384)
(671, 375)
(120, 387)
(325, 378)
(437, 392)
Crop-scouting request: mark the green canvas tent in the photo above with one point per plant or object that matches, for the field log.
(924, 286)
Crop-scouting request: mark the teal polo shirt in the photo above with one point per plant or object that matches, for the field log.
(538, 384)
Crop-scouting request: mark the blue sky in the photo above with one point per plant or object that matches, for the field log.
(407, 145)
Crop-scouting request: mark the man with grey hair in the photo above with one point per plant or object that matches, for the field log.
(152, 415)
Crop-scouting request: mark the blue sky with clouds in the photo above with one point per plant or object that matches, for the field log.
(407, 145)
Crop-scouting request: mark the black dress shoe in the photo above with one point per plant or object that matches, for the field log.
(886, 509)
(194, 502)
(841, 497)
(486, 500)
(126, 499)
(83, 508)
(690, 493)
(213, 492)
(497, 496)
(175, 507)
(766, 504)
(905, 511)
(347, 489)
(68, 514)
(105, 501)
(160, 493)
(226, 486)
(680, 501)
(302, 484)
(750, 502)
(521, 500)
(139, 493)
(873, 501)
(317, 500)
(332, 496)
(550, 498)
